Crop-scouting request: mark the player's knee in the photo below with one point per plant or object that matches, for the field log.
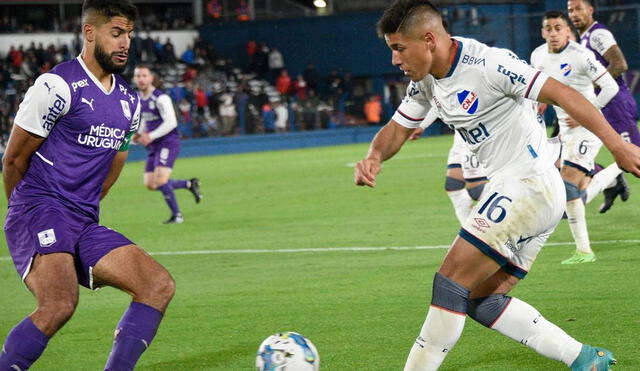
(164, 287)
(476, 192)
(453, 184)
(58, 310)
(572, 190)
(488, 309)
(449, 294)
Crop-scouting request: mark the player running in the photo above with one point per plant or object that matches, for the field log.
(621, 112)
(576, 66)
(66, 149)
(158, 132)
(482, 93)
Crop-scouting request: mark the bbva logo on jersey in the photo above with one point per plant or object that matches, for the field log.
(566, 69)
(469, 101)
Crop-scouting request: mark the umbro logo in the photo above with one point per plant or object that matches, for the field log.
(89, 103)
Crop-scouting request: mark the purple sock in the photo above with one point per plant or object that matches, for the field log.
(134, 334)
(23, 346)
(179, 183)
(170, 197)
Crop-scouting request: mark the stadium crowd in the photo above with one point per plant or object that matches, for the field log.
(212, 96)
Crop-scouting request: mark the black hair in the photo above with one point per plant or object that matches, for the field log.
(592, 3)
(110, 9)
(394, 17)
(553, 14)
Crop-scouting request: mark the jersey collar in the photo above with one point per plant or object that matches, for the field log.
(589, 29)
(95, 79)
(455, 58)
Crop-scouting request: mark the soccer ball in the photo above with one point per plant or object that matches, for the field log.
(287, 351)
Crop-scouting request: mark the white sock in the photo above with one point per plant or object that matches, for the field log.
(606, 178)
(440, 332)
(462, 203)
(523, 323)
(578, 225)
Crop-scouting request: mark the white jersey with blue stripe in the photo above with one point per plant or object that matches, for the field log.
(484, 97)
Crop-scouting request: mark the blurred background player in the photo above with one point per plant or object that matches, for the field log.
(575, 66)
(159, 134)
(55, 176)
(465, 178)
(621, 112)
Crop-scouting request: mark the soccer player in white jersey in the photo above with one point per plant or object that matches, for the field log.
(465, 179)
(576, 66)
(481, 92)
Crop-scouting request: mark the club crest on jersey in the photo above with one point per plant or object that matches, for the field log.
(125, 109)
(566, 69)
(47, 237)
(469, 101)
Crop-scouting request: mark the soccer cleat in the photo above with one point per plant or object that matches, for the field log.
(580, 257)
(621, 188)
(175, 219)
(593, 359)
(194, 187)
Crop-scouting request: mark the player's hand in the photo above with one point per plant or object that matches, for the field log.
(145, 139)
(366, 172)
(571, 123)
(136, 138)
(628, 158)
(416, 134)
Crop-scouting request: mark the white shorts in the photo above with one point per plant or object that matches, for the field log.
(460, 156)
(580, 148)
(514, 218)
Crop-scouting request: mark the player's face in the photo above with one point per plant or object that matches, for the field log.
(113, 39)
(410, 54)
(580, 13)
(143, 78)
(556, 32)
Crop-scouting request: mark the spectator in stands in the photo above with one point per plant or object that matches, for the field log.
(283, 84)
(228, 114)
(310, 111)
(282, 116)
(242, 101)
(214, 10)
(276, 64)
(268, 118)
(311, 77)
(243, 12)
(300, 88)
(188, 56)
(373, 110)
(169, 52)
(200, 97)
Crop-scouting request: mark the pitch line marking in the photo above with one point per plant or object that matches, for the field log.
(339, 249)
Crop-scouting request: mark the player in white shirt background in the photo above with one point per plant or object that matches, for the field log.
(577, 67)
(465, 177)
(481, 92)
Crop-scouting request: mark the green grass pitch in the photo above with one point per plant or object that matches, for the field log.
(362, 309)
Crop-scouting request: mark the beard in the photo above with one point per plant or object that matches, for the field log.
(106, 62)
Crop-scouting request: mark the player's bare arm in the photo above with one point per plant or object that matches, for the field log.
(386, 143)
(627, 155)
(617, 62)
(22, 144)
(114, 172)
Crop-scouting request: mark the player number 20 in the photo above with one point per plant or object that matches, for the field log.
(495, 212)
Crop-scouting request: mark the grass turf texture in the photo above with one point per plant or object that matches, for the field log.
(362, 309)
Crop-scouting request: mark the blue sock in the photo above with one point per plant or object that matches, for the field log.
(170, 197)
(134, 334)
(23, 346)
(179, 183)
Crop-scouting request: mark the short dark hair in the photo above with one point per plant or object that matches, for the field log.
(592, 3)
(110, 9)
(395, 17)
(553, 14)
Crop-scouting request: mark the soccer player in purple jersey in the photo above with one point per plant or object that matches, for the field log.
(621, 112)
(158, 132)
(66, 149)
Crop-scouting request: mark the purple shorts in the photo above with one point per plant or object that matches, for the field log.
(163, 153)
(48, 226)
(621, 112)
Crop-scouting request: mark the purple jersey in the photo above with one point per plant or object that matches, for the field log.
(158, 117)
(599, 39)
(84, 125)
